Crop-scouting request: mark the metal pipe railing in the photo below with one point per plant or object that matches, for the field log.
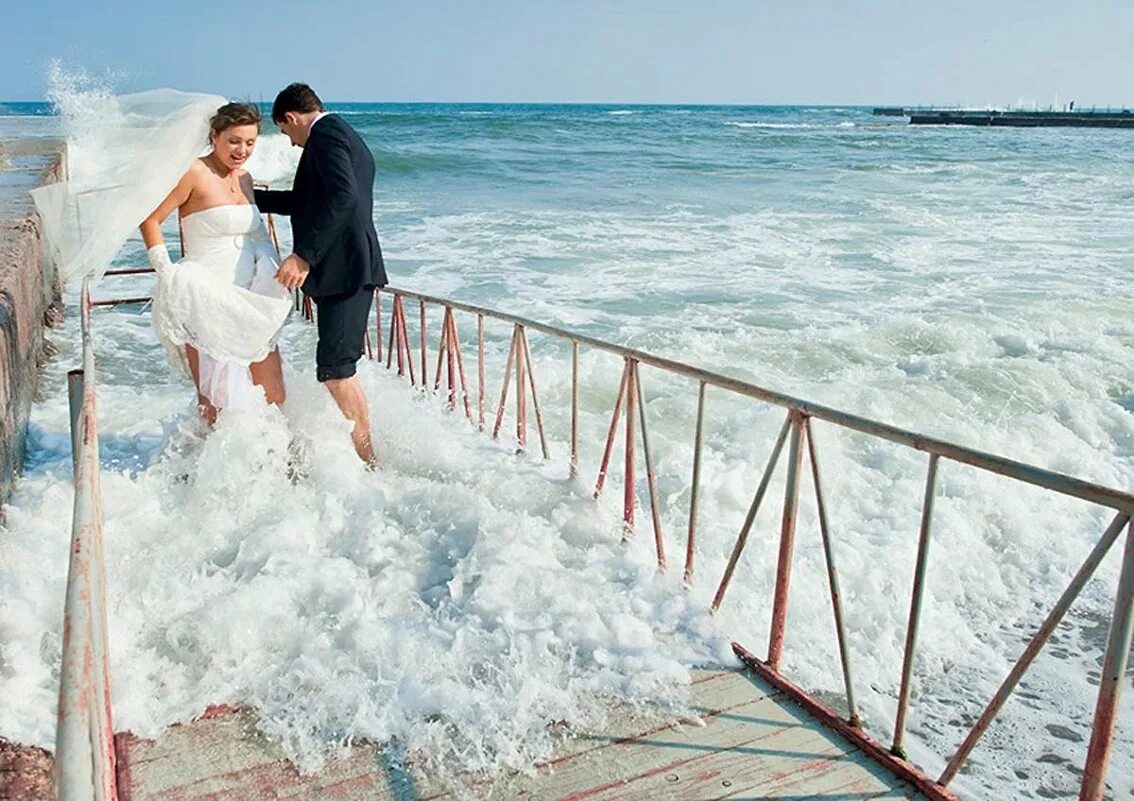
(787, 542)
(695, 487)
(916, 596)
(798, 424)
(1111, 680)
(84, 740)
(1029, 474)
(832, 578)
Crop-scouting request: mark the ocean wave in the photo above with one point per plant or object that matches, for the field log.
(776, 125)
(274, 160)
(411, 163)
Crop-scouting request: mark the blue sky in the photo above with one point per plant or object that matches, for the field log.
(989, 52)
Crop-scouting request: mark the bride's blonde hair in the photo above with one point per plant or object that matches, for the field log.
(232, 114)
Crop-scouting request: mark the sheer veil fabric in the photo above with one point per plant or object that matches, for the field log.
(124, 155)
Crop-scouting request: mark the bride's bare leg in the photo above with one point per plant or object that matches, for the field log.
(268, 375)
(208, 411)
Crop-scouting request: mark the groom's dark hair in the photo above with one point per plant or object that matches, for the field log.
(297, 97)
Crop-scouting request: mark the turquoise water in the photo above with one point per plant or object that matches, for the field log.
(966, 283)
(809, 245)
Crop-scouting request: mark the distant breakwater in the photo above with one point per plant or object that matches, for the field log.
(1122, 118)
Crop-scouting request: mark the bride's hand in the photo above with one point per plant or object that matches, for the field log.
(293, 272)
(159, 258)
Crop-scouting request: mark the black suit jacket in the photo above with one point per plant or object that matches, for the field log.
(331, 204)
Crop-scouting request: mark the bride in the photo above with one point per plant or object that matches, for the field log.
(219, 310)
(136, 158)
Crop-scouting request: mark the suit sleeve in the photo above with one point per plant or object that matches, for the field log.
(332, 166)
(273, 201)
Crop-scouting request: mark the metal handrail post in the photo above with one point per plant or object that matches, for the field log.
(573, 468)
(628, 474)
(1110, 682)
(480, 371)
(691, 537)
(915, 607)
(787, 543)
(651, 476)
(424, 356)
(832, 577)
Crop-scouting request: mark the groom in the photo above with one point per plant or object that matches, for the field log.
(336, 257)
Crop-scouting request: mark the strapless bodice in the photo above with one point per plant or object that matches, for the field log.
(221, 229)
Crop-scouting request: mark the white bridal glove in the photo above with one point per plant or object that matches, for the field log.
(159, 258)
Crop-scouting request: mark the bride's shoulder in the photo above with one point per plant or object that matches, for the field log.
(192, 178)
(197, 170)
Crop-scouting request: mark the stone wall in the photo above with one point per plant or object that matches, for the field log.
(25, 773)
(29, 301)
(29, 297)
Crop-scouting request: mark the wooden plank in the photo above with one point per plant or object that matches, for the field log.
(712, 692)
(226, 757)
(744, 741)
(589, 774)
(707, 768)
(855, 775)
(225, 754)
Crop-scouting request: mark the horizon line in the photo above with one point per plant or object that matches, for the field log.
(647, 103)
(573, 102)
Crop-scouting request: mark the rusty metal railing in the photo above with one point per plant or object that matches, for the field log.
(796, 434)
(84, 740)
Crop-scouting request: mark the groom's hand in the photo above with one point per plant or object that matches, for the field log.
(293, 272)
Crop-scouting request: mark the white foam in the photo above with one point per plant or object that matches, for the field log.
(274, 160)
(774, 125)
(455, 609)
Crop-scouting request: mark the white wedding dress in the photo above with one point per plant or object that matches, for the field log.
(223, 299)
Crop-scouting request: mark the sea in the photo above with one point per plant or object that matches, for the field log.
(970, 284)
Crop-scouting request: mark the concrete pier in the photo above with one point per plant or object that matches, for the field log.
(29, 301)
(29, 292)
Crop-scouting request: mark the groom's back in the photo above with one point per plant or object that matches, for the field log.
(354, 259)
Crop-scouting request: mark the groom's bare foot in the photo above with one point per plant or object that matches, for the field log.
(360, 436)
(352, 402)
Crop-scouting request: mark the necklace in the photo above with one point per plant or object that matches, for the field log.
(225, 179)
